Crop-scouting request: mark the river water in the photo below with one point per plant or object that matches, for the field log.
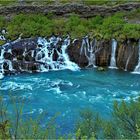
(68, 92)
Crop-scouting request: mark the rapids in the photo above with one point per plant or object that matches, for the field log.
(68, 92)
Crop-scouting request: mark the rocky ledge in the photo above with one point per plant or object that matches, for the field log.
(65, 10)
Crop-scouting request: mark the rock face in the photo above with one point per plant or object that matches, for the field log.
(74, 54)
(65, 10)
(20, 61)
(20, 55)
(103, 56)
(127, 55)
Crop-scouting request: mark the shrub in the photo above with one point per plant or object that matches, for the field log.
(88, 124)
(44, 25)
(124, 123)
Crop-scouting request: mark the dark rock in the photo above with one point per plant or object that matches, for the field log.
(25, 66)
(127, 55)
(8, 56)
(67, 9)
(103, 56)
(74, 54)
(23, 52)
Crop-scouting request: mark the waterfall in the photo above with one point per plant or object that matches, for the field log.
(3, 50)
(4, 61)
(2, 35)
(137, 68)
(1, 63)
(113, 54)
(47, 52)
(127, 62)
(50, 54)
(89, 50)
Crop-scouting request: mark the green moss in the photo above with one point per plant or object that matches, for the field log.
(26, 2)
(131, 30)
(2, 42)
(2, 22)
(101, 69)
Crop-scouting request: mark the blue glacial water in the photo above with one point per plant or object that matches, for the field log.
(68, 92)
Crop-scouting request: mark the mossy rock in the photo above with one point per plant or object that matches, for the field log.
(101, 69)
(2, 42)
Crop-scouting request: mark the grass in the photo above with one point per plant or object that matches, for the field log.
(108, 2)
(8, 2)
(48, 2)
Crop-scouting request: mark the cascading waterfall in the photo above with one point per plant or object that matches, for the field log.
(89, 51)
(46, 53)
(127, 62)
(113, 54)
(137, 68)
(2, 33)
(1, 63)
(4, 61)
(50, 55)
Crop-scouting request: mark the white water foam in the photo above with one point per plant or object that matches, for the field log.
(12, 86)
(89, 50)
(113, 55)
(137, 68)
(51, 54)
(46, 53)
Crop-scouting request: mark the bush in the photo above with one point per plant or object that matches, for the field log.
(124, 123)
(40, 25)
(88, 124)
(15, 127)
(131, 30)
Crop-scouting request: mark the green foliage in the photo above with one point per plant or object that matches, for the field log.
(125, 123)
(25, 2)
(109, 130)
(2, 22)
(30, 25)
(132, 30)
(49, 2)
(107, 2)
(127, 118)
(2, 42)
(112, 26)
(7, 2)
(96, 2)
(88, 125)
(44, 25)
(4, 130)
(14, 127)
